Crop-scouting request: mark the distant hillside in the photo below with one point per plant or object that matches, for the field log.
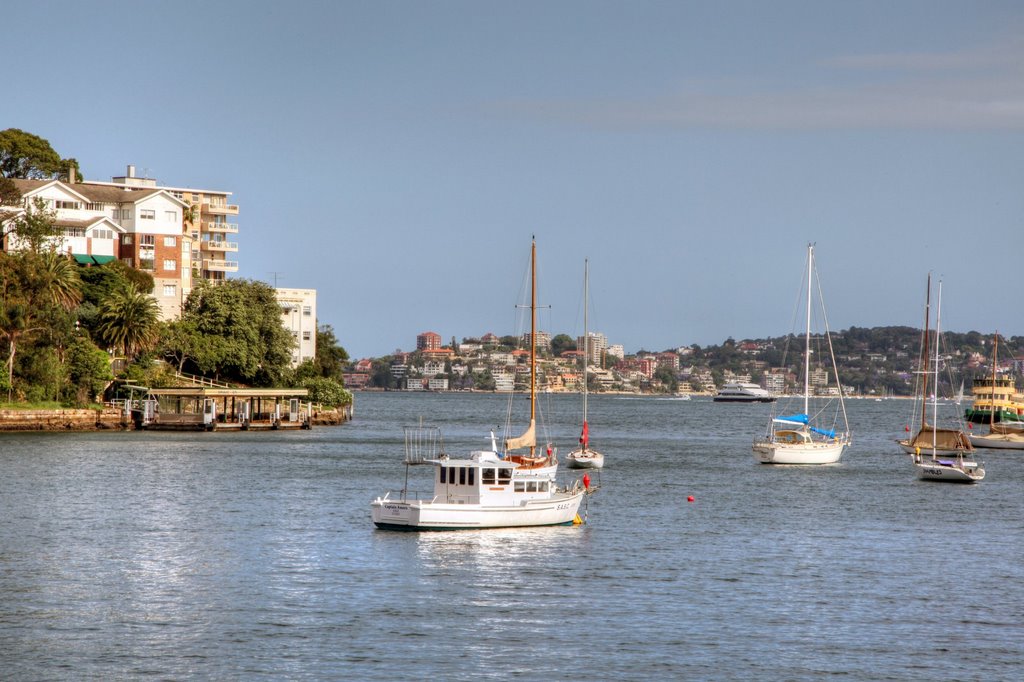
(875, 360)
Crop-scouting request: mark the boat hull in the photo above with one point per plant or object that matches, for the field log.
(949, 473)
(767, 452)
(422, 515)
(742, 399)
(999, 441)
(584, 459)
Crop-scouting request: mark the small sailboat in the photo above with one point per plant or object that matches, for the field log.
(1002, 439)
(804, 437)
(938, 454)
(488, 488)
(585, 457)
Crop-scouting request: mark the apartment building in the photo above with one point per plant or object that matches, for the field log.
(298, 314)
(209, 221)
(99, 223)
(428, 341)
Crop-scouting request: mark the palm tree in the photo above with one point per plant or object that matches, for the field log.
(15, 322)
(61, 283)
(128, 321)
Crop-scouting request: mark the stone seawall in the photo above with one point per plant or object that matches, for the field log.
(62, 420)
(112, 418)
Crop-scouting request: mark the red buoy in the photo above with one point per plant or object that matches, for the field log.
(586, 481)
(690, 498)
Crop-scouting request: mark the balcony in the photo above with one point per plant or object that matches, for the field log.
(210, 226)
(220, 265)
(213, 245)
(220, 209)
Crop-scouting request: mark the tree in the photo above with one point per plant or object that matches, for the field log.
(88, 368)
(331, 358)
(35, 229)
(243, 336)
(27, 156)
(562, 343)
(327, 391)
(10, 195)
(15, 324)
(128, 321)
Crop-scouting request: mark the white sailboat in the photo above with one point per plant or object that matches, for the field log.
(488, 488)
(938, 454)
(585, 457)
(803, 438)
(1002, 439)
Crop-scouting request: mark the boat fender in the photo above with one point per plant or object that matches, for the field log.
(577, 520)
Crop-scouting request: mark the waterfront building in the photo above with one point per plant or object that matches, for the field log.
(597, 345)
(428, 341)
(208, 222)
(298, 314)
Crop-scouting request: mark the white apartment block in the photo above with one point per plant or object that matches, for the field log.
(597, 345)
(298, 314)
(175, 234)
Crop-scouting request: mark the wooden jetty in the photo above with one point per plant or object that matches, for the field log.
(216, 408)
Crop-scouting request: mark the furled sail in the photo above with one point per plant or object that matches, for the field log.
(527, 440)
(792, 419)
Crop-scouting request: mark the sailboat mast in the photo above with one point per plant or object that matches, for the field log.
(807, 337)
(533, 336)
(586, 333)
(924, 354)
(995, 364)
(935, 391)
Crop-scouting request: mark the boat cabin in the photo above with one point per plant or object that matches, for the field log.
(487, 479)
(792, 437)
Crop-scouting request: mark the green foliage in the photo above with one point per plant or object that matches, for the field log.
(562, 343)
(331, 358)
(24, 155)
(327, 391)
(128, 321)
(667, 378)
(242, 337)
(88, 369)
(35, 228)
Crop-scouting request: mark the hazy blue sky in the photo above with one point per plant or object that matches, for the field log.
(397, 156)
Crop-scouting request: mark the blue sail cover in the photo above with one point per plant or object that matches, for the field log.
(826, 433)
(792, 419)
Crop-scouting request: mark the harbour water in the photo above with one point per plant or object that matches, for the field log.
(252, 556)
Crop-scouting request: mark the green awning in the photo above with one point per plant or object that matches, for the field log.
(83, 259)
(100, 260)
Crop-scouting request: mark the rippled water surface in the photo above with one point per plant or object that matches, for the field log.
(252, 555)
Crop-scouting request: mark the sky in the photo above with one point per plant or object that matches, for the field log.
(399, 156)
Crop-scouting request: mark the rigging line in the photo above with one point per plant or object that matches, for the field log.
(831, 350)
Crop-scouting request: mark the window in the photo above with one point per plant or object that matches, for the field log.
(442, 474)
(307, 310)
(94, 207)
(520, 487)
(67, 204)
(171, 216)
(487, 476)
(129, 262)
(504, 476)
(74, 231)
(542, 486)
(125, 214)
(102, 234)
(306, 336)
(471, 477)
(147, 259)
(170, 241)
(170, 264)
(147, 240)
(531, 486)
(147, 214)
(462, 475)
(126, 239)
(170, 290)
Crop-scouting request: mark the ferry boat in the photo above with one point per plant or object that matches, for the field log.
(995, 400)
(743, 392)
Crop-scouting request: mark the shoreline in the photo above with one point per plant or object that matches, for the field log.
(112, 419)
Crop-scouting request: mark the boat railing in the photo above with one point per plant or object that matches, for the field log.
(422, 443)
(407, 495)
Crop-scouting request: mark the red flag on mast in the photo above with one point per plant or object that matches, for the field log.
(585, 436)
